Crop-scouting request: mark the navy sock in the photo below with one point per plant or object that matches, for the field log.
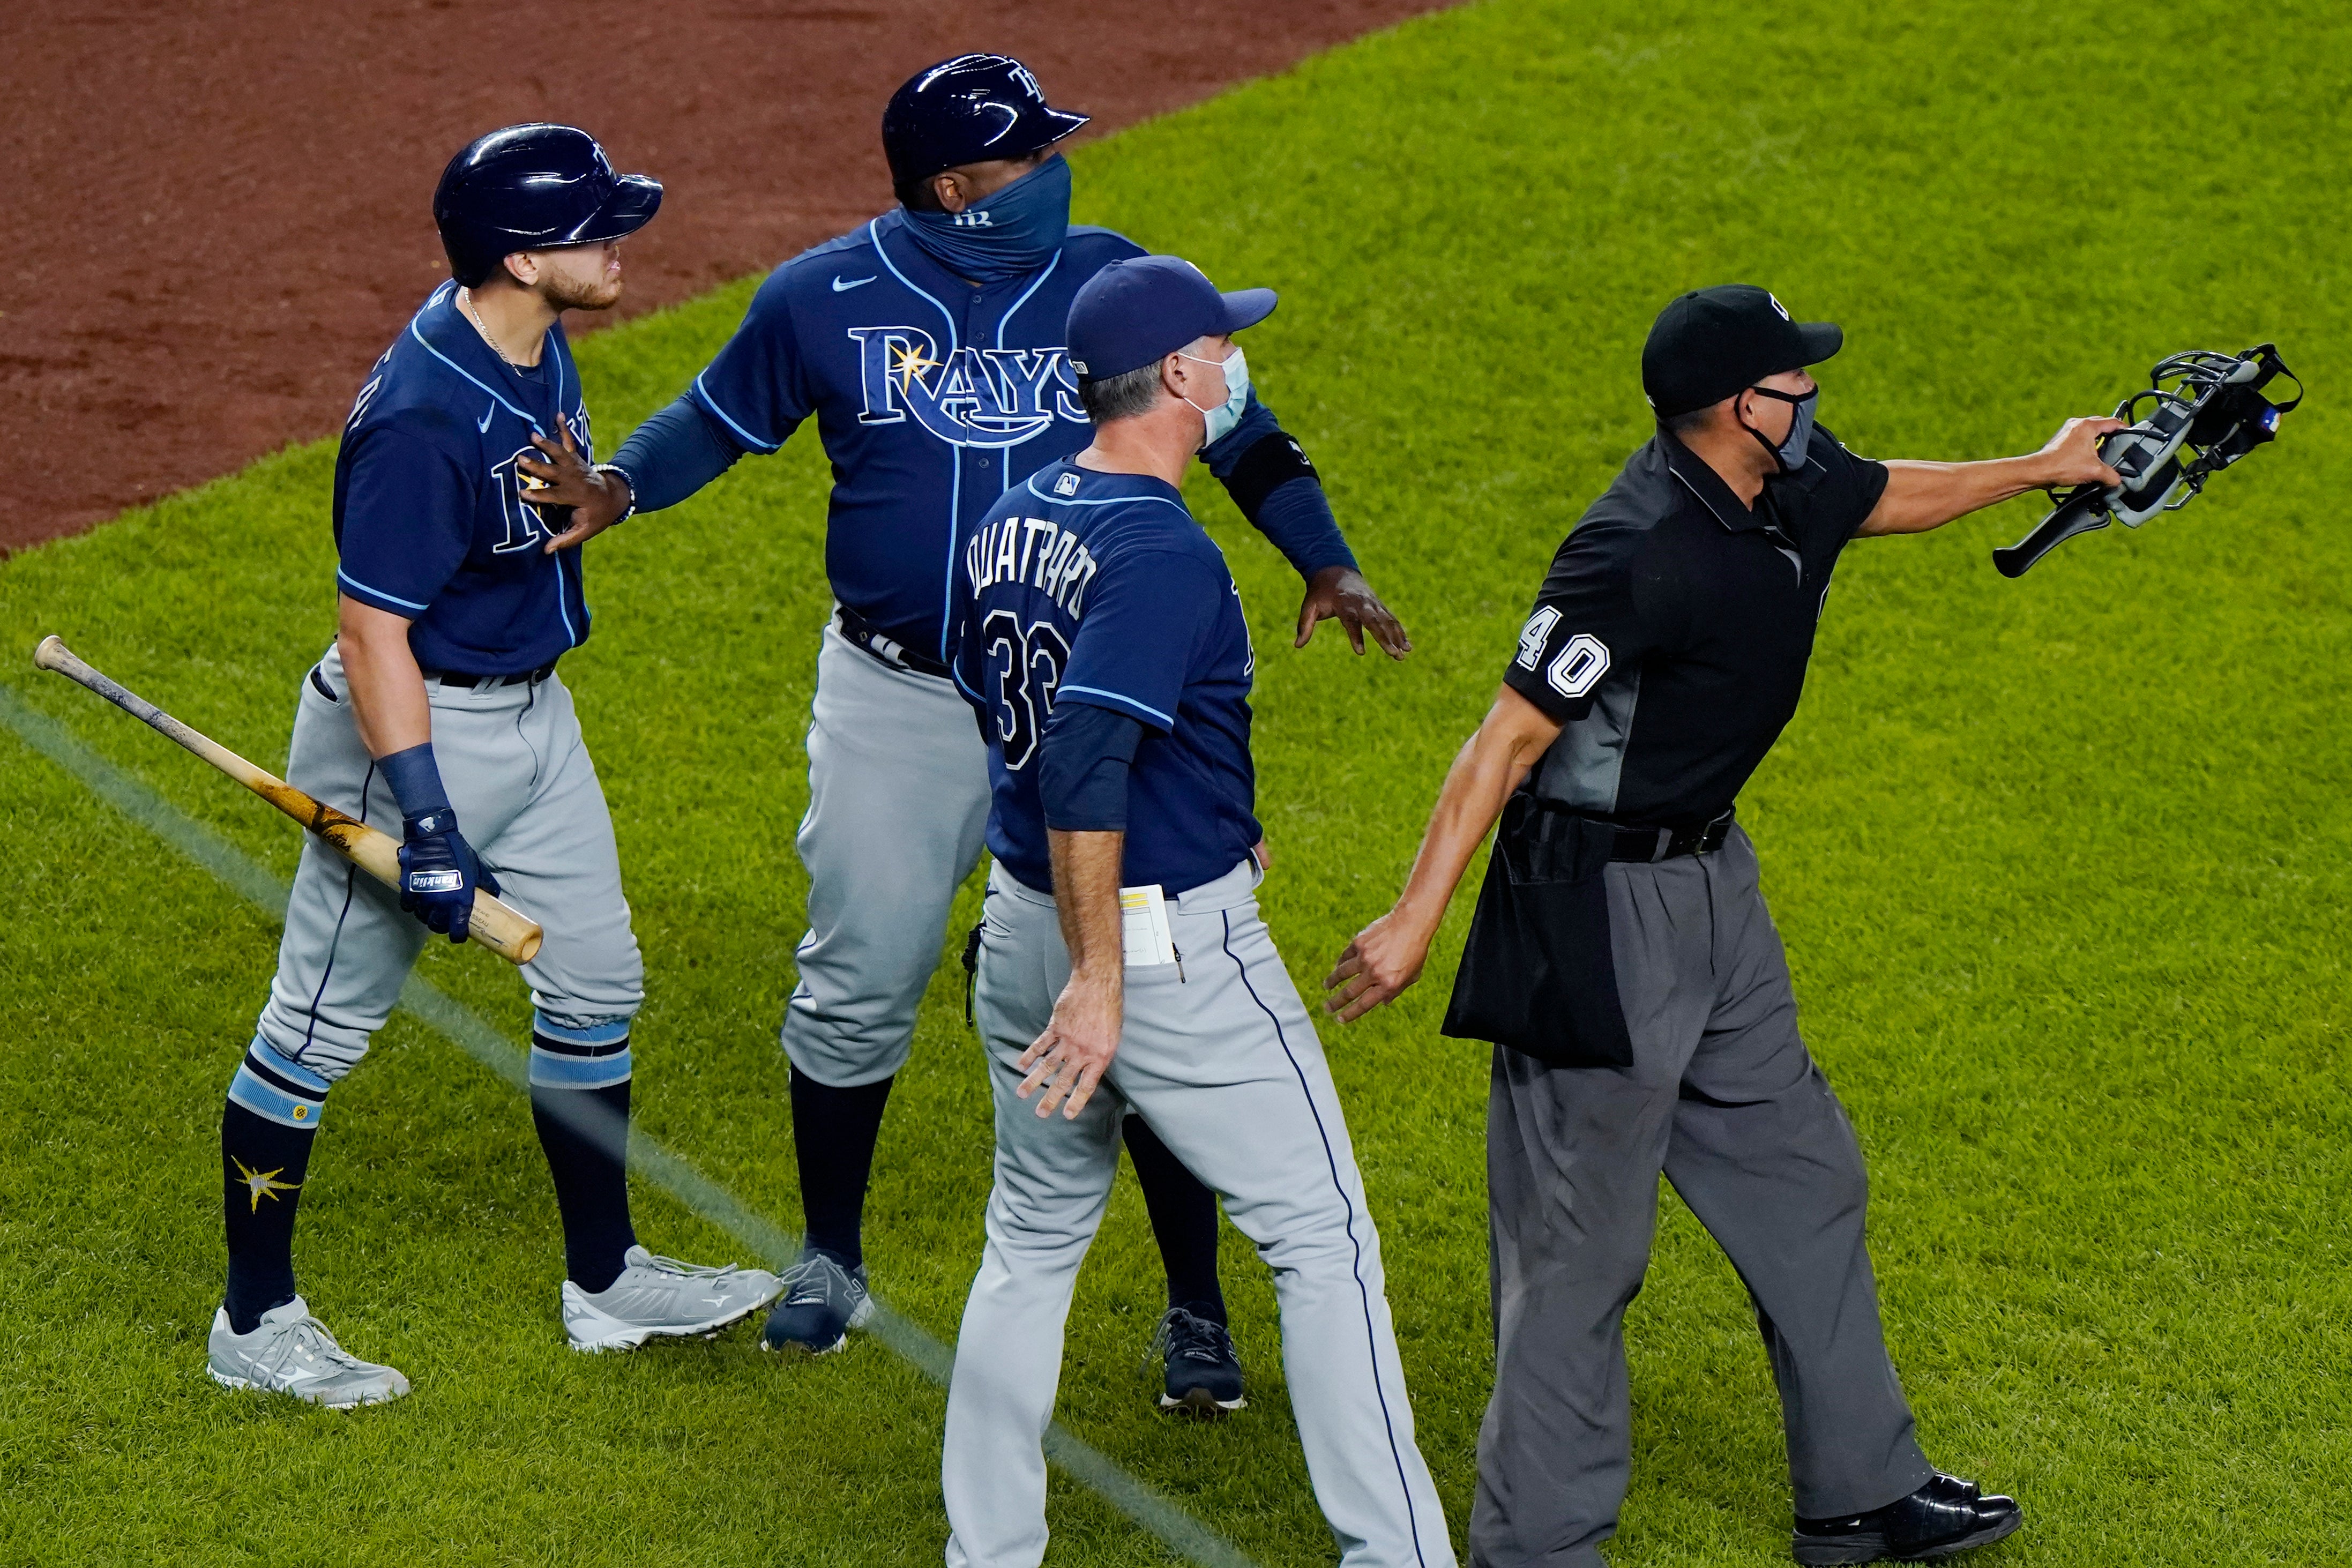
(1183, 1221)
(579, 1103)
(267, 1126)
(834, 1133)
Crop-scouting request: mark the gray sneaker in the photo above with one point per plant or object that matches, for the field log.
(661, 1297)
(822, 1301)
(290, 1352)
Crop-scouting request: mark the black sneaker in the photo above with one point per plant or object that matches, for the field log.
(1204, 1376)
(1946, 1516)
(821, 1302)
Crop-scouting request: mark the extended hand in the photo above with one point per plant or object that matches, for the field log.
(1379, 965)
(2071, 457)
(439, 873)
(1340, 593)
(560, 475)
(1069, 1059)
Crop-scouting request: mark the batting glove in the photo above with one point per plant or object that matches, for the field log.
(439, 871)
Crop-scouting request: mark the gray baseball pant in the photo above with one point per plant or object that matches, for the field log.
(526, 799)
(1220, 1059)
(897, 806)
(1723, 1097)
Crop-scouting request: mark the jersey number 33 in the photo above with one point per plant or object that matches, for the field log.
(1024, 665)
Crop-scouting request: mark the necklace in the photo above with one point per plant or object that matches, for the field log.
(465, 303)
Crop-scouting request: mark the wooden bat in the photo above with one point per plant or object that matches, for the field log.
(503, 929)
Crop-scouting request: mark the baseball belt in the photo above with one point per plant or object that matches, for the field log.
(865, 635)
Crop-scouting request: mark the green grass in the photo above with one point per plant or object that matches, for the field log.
(2059, 862)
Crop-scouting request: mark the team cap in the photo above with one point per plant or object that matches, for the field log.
(969, 110)
(1135, 311)
(533, 187)
(1712, 344)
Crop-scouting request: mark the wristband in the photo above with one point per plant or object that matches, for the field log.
(416, 781)
(631, 509)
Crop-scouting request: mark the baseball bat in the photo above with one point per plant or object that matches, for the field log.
(504, 930)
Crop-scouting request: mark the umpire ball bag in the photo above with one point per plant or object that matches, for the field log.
(1538, 973)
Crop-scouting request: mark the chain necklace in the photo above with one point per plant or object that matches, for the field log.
(465, 303)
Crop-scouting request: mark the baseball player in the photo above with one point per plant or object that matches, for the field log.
(1124, 972)
(928, 344)
(438, 707)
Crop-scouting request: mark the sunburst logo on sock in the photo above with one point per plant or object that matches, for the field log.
(259, 1185)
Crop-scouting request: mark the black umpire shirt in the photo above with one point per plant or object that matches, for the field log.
(1672, 634)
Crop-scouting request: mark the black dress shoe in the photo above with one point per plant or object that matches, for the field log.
(1945, 1516)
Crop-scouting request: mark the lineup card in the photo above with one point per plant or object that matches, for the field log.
(1143, 927)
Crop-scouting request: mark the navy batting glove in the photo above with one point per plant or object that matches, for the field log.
(439, 871)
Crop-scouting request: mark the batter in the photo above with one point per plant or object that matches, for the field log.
(439, 708)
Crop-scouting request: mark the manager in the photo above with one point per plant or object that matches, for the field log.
(1622, 960)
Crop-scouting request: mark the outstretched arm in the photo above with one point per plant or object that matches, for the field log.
(1267, 473)
(666, 459)
(1923, 496)
(1387, 955)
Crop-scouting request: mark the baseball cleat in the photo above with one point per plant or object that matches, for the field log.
(822, 1301)
(290, 1352)
(660, 1297)
(1204, 1375)
(1946, 1516)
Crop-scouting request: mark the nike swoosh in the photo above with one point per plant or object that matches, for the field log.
(841, 288)
(487, 415)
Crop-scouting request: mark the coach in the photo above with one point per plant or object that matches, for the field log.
(1622, 958)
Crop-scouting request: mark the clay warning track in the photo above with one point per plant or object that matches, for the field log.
(223, 210)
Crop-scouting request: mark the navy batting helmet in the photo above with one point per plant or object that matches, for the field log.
(967, 110)
(530, 188)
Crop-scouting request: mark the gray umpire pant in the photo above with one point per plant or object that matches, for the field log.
(526, 799)
(897, 805)
(1220, 1059)
(1723, 1097)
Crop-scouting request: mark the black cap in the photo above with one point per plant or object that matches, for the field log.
(967, 111)
(1711, 343)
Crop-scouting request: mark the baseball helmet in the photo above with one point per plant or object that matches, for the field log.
(530, 188)
(966, 110)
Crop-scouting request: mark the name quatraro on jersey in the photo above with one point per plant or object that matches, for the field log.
(1012, 552)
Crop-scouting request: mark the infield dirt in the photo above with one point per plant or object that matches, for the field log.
(223, 209)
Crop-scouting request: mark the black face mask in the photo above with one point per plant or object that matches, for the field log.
(1791, 453)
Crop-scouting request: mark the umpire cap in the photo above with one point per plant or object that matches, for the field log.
(1711, 343)
(531, 187)
(966, 110)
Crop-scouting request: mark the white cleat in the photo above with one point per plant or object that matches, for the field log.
(661, 1297)
(290, 1352)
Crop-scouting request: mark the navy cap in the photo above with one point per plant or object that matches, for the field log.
(1135, 311)
(1711, 343)
(969, 110)
(534, 187)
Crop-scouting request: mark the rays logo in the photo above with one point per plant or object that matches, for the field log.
(973, 397)
(527, 521)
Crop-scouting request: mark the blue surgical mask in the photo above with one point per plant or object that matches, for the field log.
(1790, 453)
(1011, 234)
(1221, 417)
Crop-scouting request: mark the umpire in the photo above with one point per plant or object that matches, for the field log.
(1624, 961)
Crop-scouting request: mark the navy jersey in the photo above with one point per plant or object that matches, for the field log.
(430, 523)
(934, 397)
(1100, 588)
